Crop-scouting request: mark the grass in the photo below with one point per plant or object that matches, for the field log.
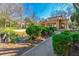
(20, 32)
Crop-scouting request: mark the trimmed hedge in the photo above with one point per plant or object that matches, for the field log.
(36, 30)
(63, 41)
(67, 32)
(33, 31)
(61, 44)
(75, 37)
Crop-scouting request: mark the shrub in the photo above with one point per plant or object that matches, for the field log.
(13, 37)
(63, 41)
(67, 32)
(47, 31)
(61, 44)
(11, 34)
(75, 37)
(51, 30)
(55, 29)
(44, 31)
(33, 31)
(7, 30)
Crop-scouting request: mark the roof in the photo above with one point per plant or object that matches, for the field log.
(54, 18)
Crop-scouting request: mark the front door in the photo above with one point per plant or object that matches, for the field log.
(61, 25)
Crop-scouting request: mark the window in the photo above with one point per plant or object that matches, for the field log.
(54, 25)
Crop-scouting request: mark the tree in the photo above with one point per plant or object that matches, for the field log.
(13, 23)
(2, 22)
(75, 19)
(11, 11)
(75, 15)
(31, 13)
(29, 21)
(76, 6)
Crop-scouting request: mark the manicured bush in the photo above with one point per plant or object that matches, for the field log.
(51, 30)
(44, 31)
(75, 37)
(33, 31)
(67, 32)
(61, 44)
(47, 31)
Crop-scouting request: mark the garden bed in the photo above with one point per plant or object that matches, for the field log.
(18, 40)
(16, 49)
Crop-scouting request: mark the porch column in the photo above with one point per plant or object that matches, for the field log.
(57, 24)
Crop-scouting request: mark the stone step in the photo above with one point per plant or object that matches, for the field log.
(12, 51)
(8, 52)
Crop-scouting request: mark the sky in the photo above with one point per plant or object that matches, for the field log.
(46, 10)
